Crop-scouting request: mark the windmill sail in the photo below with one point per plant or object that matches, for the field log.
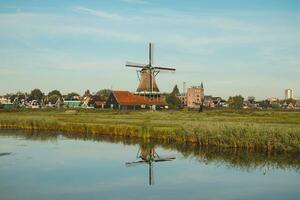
(147, 74)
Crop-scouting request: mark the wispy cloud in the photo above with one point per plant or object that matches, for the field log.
(98, 13)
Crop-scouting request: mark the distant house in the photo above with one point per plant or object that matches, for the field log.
(127, 100)
(290, 106)
(6, 105)
(249, 105)
(99, 104)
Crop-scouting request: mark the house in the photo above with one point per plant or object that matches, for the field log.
(128, 100)
(93, 101)
(249, 105)
(99, 104)
(5, 104)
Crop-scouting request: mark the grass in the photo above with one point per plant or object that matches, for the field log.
(252, 130)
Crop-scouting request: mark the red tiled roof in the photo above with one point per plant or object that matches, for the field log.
(127, 98)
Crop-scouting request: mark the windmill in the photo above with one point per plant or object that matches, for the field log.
(149, 156)
(147, 74)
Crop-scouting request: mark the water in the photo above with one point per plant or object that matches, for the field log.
(47, 166)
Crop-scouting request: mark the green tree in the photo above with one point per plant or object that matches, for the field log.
(54, 92)
(251, 99)
(72, 95)
(264, 104)
(236, 102)
(53, 98)
(172, 99)
(37, 94)
(176, 91)
(104, 93)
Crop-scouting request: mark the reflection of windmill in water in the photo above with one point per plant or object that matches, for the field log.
(147, 73)
(148, 156)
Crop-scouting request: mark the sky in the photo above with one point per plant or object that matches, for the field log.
(234, 47)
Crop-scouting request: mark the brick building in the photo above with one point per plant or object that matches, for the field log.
(194, 96)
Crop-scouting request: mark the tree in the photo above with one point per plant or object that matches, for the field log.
(265, 104)
(104, 93)
(37, 94)
(251, 99)
(236, 102)
(72, 95)
(176, 91)
(172, 99)
(53, 98)
(54, 92)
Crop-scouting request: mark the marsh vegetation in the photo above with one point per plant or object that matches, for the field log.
(252, 130)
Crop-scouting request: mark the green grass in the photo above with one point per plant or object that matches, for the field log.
(258, 130)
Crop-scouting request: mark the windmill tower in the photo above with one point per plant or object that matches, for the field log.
(147, 74)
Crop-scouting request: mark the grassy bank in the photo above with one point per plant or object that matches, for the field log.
(263, 130)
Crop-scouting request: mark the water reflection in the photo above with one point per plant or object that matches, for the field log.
(232, 158)
(147, 155)
(5, 154)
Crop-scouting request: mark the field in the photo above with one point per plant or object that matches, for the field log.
(252, 130)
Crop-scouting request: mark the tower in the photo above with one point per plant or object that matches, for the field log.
(288, 93)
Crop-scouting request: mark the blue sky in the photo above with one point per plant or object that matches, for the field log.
(233, 46)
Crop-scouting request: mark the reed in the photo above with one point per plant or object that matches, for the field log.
(256, 130)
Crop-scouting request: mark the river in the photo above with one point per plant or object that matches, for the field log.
(53, 166)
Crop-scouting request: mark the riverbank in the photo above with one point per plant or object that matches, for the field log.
(253, 130)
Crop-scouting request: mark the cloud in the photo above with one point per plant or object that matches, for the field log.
(98, 13)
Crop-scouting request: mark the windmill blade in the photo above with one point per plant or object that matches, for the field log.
(134, 163)
(165, 68)
(164, 159)
(137, 65)
(151, 53)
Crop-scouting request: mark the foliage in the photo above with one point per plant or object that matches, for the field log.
(104, 93)
(53, 98)
(37, 94)
(264, 104)
(54, 92)
(176, 91)
(72, 95)
(236, 102)
(173, 101)
(251, 99)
